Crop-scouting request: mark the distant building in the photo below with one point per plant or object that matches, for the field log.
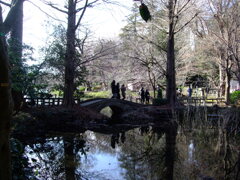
(234, 85)
(135, 86)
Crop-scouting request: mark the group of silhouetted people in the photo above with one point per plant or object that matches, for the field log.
(144, 95)
(116, 90)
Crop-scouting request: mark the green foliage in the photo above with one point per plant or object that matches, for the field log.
(55, 51)
(78, 94)
(24, 78)
(97, 88)
(57, 90)
(54, 56)
(32, 82)
(159, 93)
(100, 94)
(81, 88)
(235, 97)
(159, 102)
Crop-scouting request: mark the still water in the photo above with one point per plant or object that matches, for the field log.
(140, 153)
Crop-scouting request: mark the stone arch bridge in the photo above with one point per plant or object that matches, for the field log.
(117, 106)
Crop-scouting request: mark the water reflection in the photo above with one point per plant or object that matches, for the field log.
(146, 153)
(191, 150)
(134, 154)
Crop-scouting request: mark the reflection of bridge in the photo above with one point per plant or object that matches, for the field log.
(117, 106)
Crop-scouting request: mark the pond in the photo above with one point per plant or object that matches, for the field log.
(141, 153)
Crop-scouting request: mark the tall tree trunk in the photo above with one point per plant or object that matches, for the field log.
(6, 105)
(222, 77)
(227, 91)
(15, 57)
(16, 33)
(171, 134)
(69, 86)
(152, 81)
(5, 108)
(171, 79)
(69, 158)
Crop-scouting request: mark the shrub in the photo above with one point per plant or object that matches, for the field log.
(81, 88)
(100, 94)
(159, 102)
(97, 88)
(235, 97)
(78, 94)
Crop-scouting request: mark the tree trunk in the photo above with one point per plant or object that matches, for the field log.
(171, 134)
(69, 87)
(6, 105)
(16, 33)
(171, 79)
(69, 158)
(227, 91)
(222, 78)
(152, 81)
(15, 57)
(5, 108)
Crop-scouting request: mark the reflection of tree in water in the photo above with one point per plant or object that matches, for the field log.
(98, 142)
(47, 158)
(208, 162)
(143, 155)
(56, 158)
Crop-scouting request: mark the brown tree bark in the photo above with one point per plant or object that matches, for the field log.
(69, 157)
(17, 32)
(171, 135)
(171, 75)
(69, 87)
(5, 108)
(15, 56)
(228, 79)
(6, 105)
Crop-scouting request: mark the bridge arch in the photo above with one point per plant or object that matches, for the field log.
(117, 106)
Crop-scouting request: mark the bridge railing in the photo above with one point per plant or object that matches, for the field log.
(190, 100)
(46, 101)
(201, 100)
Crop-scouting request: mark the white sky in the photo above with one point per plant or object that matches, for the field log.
(104, 21)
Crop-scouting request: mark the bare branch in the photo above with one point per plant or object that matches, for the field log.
(45, 12)
(6, 4)
(182, 8)
(153, 43)
(54, 7)
(84, 10)
(100, 54)
(186, 23)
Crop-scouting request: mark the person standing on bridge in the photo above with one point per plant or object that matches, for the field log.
(118, 90)
(142, 94)
(113, 87)
(189, 91)
(123, 91)
(147, 96)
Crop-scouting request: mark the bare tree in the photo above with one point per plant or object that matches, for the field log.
(222, 22)
(72, 24)
(175, 10)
